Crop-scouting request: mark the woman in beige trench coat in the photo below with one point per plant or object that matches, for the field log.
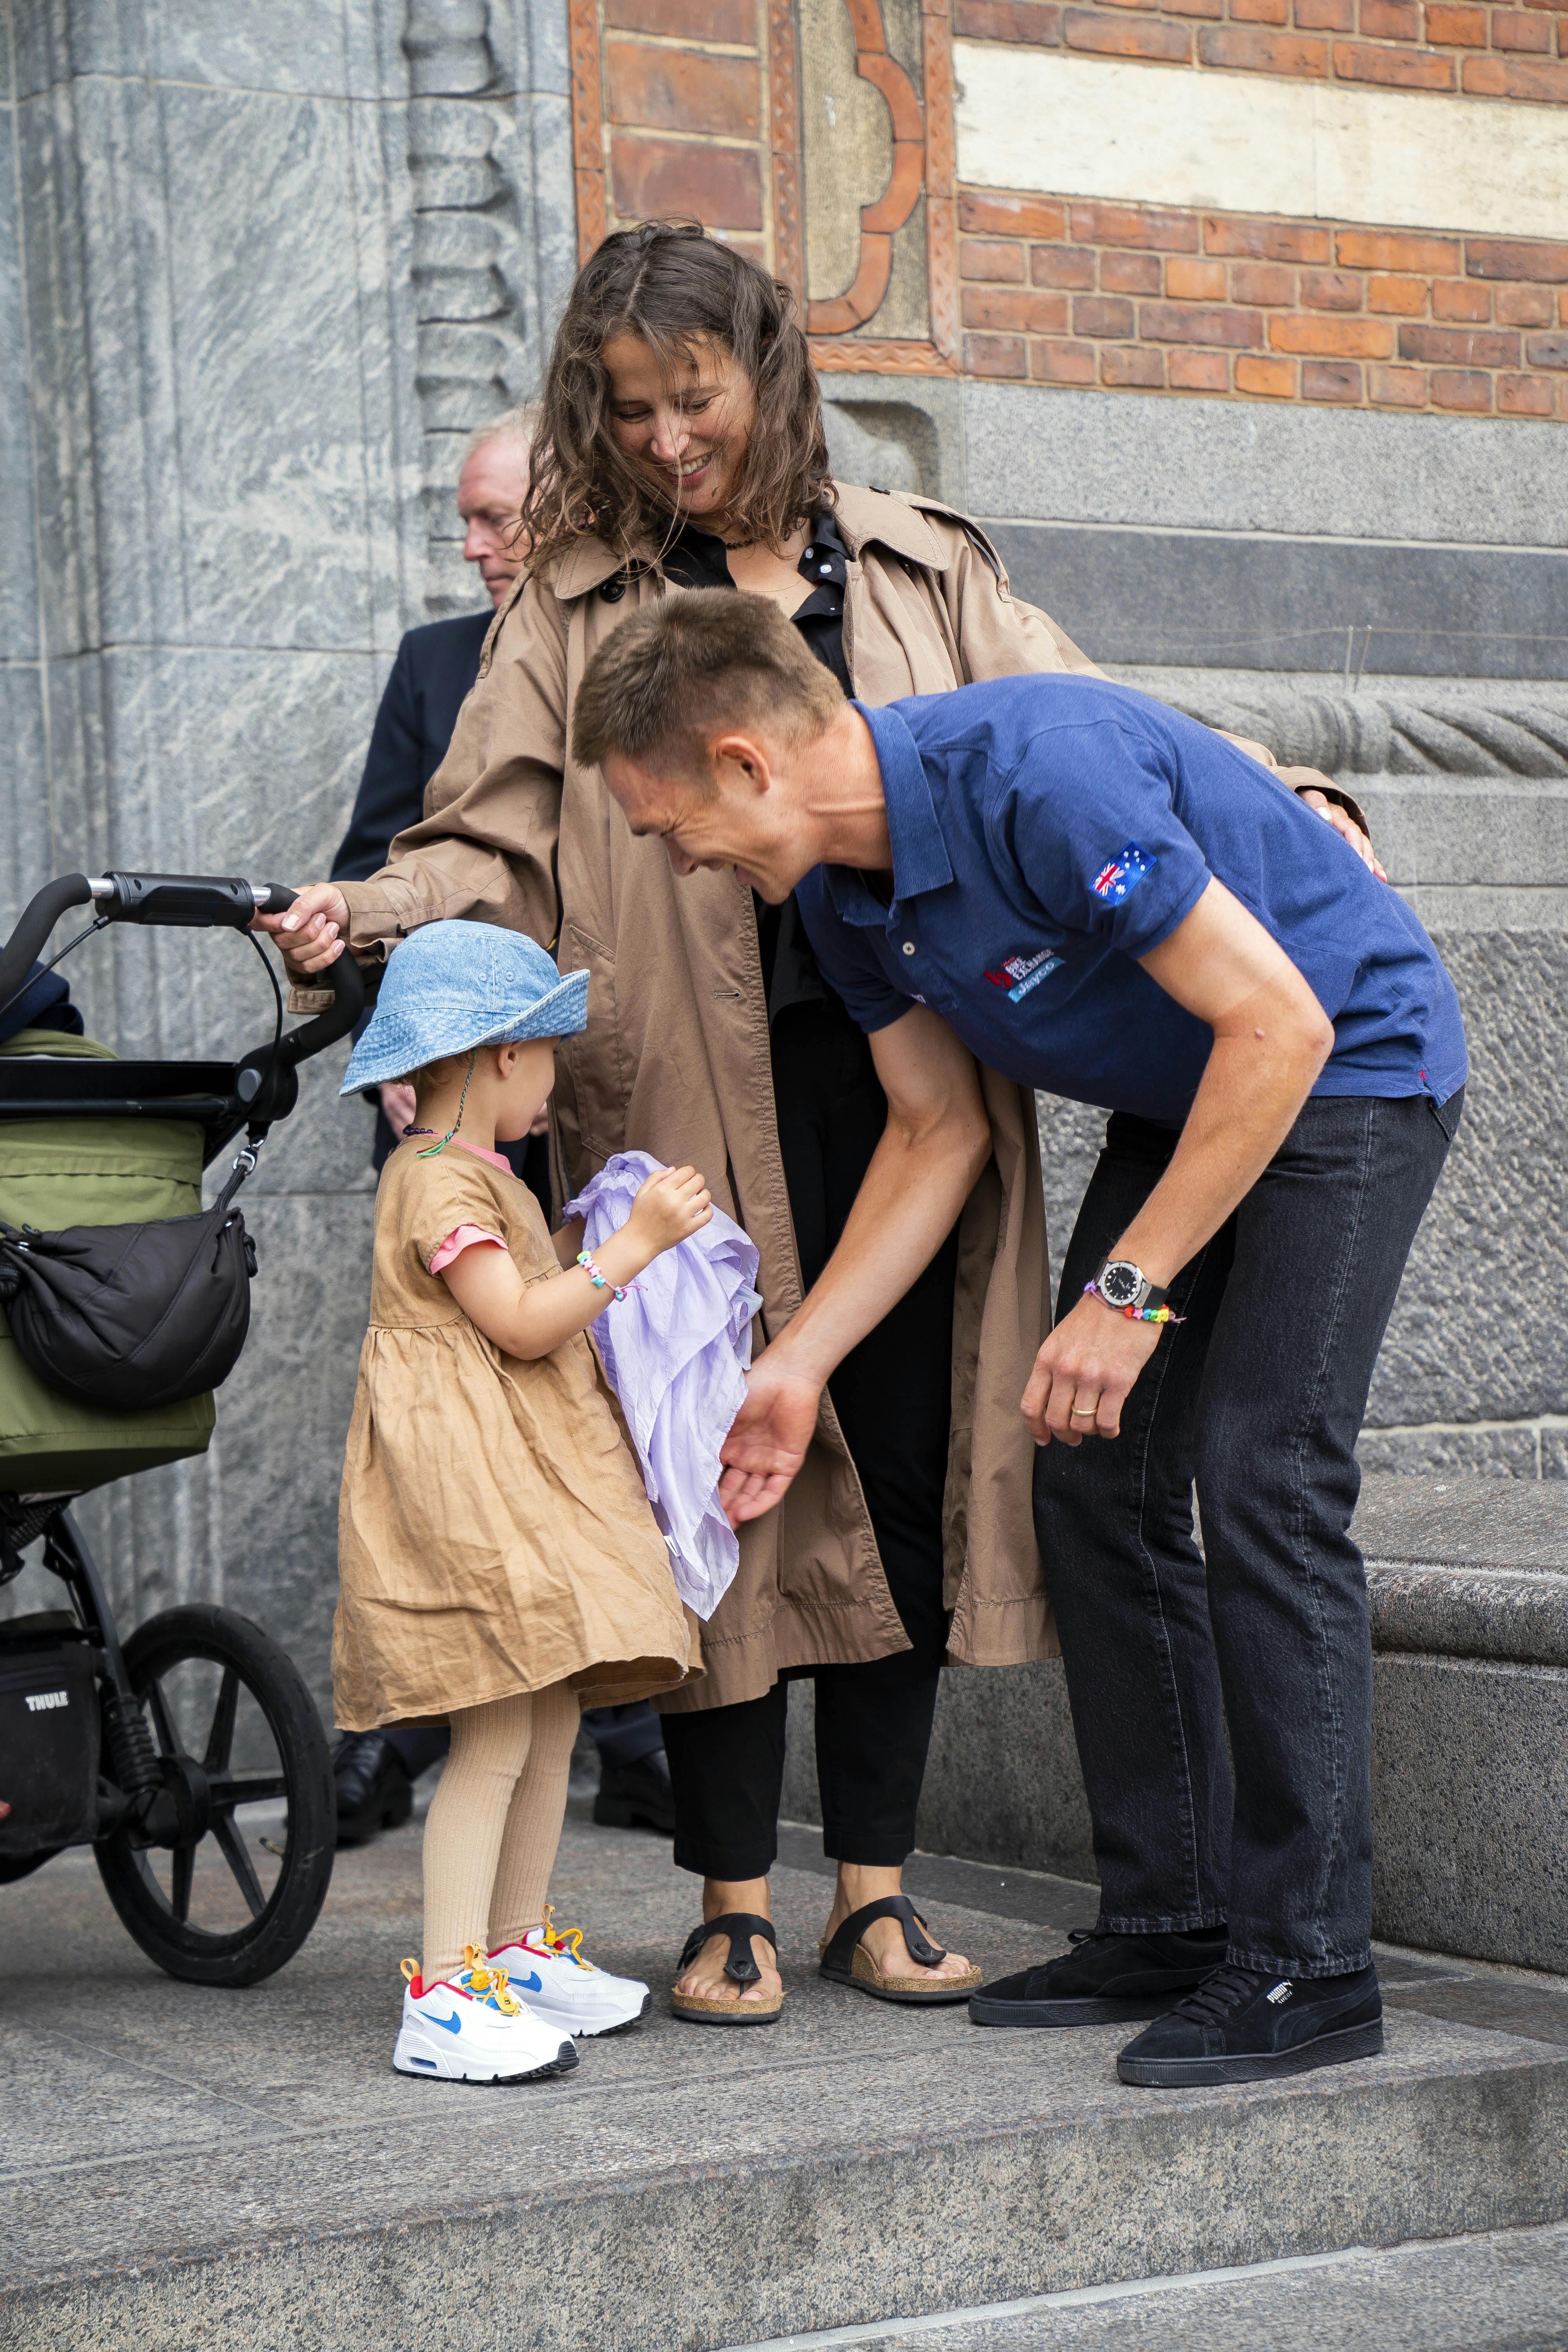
(681, 413)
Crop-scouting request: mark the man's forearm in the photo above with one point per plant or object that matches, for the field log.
(912, 1195)
(936, 1141)
(1250, 1097)
(1272, 1039)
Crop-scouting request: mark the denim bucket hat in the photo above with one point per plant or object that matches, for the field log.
(452, 985)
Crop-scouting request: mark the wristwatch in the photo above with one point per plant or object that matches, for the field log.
(1126, 1286)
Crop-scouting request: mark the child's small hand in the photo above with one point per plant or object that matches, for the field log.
(668, 1207)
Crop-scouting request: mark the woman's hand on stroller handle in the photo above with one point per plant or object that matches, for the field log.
(309, 933)
(199, 902)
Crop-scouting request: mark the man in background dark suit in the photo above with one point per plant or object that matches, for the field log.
(430, 678)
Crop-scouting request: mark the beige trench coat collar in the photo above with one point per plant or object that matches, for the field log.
(865, 518)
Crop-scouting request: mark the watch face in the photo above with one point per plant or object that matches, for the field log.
(1120, 1282)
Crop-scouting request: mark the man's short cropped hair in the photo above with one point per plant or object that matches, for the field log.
(668, 679)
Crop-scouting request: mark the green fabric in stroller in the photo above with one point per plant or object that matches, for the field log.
(55, 1173)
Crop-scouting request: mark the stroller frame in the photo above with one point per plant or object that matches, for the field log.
(155, 1790)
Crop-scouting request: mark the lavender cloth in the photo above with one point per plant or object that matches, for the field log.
(675, 1351)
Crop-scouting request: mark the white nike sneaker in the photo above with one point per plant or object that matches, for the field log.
(563, 1987)
(471, 2028)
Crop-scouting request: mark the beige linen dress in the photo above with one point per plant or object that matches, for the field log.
(493, 1533)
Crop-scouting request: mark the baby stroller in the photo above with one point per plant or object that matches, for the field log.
(191, 1756)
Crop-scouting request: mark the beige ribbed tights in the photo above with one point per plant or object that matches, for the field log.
(494, 1822)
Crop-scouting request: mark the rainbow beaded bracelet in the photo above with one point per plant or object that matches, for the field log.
(1133, 1314)
(601, 1281)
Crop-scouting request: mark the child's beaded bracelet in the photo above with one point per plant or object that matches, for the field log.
(1133, 1314)
(601, 1281)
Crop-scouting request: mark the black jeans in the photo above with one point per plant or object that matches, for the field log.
(893, 1398)
(1257, 1398)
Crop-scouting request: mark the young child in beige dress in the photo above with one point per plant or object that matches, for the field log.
(500, 1565)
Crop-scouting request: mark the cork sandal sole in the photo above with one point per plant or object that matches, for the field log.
(700, 2009)
(844, 1960)
(865, 1977)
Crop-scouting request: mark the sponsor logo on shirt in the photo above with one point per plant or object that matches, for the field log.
(1017, 974)
(1123, 874)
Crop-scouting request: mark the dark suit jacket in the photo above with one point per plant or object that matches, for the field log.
(434, 667)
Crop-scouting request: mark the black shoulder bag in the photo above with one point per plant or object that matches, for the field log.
(129, 1317)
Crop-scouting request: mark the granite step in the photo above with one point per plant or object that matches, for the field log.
(1467, 1579)
(1468, 1568)
(189, 2168)
(1505, 2291)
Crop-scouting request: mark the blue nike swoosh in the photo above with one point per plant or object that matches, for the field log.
(528, 1984)
(452, 2024)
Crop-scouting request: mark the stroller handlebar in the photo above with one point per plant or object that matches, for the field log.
(35, 923)
(186, 901)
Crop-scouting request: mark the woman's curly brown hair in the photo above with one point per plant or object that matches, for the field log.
(675, 288)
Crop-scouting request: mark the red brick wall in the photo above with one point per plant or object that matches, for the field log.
(1481, 51)
(673, 115)
(710, 100)
(1126, 296)
(690, 106)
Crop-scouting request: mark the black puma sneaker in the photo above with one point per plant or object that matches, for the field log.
(1241, 2027)
(1103, 1979)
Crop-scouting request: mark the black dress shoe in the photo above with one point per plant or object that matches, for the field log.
(1241, 2027)
(1103, 1979)
(635, 1796)
(374, 1793)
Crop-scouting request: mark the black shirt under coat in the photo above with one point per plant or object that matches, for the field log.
(694, 559)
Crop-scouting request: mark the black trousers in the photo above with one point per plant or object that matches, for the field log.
(1257, 1398)
(892, 1395)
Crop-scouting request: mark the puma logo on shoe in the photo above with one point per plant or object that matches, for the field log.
(1282, 1993)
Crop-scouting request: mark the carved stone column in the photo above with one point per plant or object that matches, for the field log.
(490, 168)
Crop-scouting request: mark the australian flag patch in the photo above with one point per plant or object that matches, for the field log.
(1123, 874)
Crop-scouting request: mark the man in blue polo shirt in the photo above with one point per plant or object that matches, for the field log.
(1096, 896)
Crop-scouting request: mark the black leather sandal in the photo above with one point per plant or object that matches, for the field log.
(741, 1968)
(844, 1961)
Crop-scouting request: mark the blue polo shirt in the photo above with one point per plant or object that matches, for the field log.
(1046, 832)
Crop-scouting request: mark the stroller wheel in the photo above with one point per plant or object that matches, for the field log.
(224, 1878)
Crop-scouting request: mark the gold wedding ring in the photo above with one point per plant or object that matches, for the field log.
(1082, 1412)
